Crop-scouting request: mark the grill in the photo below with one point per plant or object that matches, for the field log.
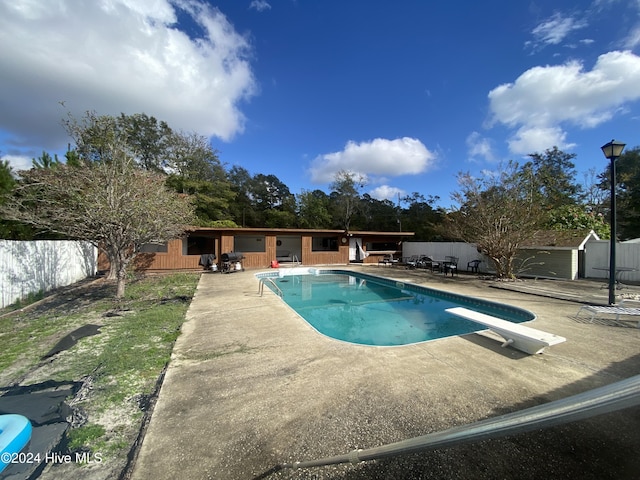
(231, 262)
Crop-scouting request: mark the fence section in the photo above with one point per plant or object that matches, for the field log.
(465, 252)
(597, 260)
(32, 266)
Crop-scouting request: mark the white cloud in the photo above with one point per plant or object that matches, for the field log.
(17, 162)
(542, 99)
(119, 56)
(555, 29)
(260, 5)
(386, 192)
(633, 39)
(538, 139)
(479, 146)
(402, 156)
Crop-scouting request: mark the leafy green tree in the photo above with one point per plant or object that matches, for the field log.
(197, 171)
(273, 202)
(10, 229)
(627, 193)
(498, 212)
(421, 218)
(553, 175)
(7, 183)
(45, 161)
(313, 209)
(149, 138)
(261, 200)
(577, 217)
(7, 180)
(242, 209)
(374, 214)
(109, 201)
(345, 198)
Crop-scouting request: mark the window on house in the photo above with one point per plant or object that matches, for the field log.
(249, 243)
(154, 248)
(324, 244)
(198, 245)
(381, 246)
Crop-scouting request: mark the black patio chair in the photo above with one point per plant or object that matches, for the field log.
(473, 265)
(450, 265)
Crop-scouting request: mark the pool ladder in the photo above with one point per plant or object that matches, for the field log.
(270, 280)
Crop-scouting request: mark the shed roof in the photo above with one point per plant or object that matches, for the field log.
(560, 239)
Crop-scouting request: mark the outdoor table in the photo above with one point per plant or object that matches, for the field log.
(619, 271)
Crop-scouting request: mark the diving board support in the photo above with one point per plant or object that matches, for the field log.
(526, 339)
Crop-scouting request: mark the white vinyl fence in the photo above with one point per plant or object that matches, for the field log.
(42, 265)
(596, 257)
(597, 260)
(465, 252)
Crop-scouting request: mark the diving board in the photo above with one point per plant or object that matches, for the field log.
(527, 339)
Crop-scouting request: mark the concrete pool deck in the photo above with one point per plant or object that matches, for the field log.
(251, 385)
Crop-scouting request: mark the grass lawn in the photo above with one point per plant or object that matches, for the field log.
(119, 367)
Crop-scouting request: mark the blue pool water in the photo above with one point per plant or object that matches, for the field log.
(369, 310)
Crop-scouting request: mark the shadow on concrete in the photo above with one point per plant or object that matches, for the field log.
(600, 448)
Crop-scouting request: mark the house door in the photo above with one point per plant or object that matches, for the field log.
(356, 254)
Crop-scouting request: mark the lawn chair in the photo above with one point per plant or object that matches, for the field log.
(388, 260)
(412, 262)
(610, 310)
(450, 265)
(428, 262)
(473, 266)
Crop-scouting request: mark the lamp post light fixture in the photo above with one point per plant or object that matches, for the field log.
(612, 151)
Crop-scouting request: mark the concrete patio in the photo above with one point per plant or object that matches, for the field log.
(251, 385)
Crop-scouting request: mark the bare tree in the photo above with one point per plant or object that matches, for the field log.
(498, 212)
(107, 200)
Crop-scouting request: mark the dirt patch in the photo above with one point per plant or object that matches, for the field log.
(75, 334)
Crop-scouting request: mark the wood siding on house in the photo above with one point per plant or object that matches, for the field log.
(184, 253)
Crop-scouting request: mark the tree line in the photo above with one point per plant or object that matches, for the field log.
(146, 172)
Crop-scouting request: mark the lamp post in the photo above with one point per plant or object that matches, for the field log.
(612, 151)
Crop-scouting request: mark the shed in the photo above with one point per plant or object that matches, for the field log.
(555, 254)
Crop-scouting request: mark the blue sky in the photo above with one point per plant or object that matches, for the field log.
(405, 93)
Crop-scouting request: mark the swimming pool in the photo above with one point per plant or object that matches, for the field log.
(368, 310)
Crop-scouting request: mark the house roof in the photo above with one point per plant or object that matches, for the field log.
(295, 231)
(560, 239)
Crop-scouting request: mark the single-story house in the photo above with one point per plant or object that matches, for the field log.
(555, 254)
(261, 246)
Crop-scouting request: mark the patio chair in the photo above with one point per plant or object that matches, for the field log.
(450, 265)
(473, 266)
(610, 310)
(388, 260)
(430, 263)
(411, 262)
